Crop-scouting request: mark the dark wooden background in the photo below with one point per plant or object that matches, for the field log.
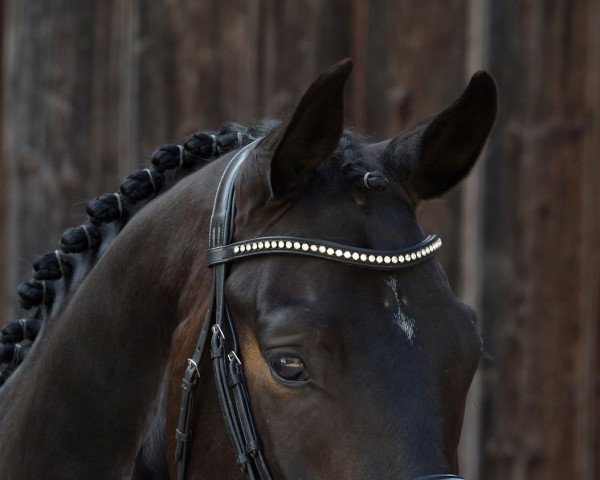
(90, 88)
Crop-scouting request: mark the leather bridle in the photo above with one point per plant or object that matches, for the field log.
(224, 351)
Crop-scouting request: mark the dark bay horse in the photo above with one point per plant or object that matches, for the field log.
(352, 373)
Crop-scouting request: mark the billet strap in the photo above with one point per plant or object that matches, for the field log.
(359, 257)
(189, 383)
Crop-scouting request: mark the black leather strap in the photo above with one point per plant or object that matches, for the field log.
(227, 367)
(224, 352)
(189, 385)
(358, 257)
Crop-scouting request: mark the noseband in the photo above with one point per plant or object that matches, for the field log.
(224, 351)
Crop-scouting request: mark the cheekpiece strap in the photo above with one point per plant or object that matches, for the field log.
(228, 374)
(360, 257)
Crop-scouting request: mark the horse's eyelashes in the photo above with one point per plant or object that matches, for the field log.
(289, 368)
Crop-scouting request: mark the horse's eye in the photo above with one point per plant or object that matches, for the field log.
(289, 368)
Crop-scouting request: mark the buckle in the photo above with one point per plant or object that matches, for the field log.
(183, 436)
(216, 329)
(232, 356)
(193, 365)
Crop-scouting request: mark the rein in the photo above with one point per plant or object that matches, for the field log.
(224, 351)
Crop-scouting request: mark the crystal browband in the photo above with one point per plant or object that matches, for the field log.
(386, 260)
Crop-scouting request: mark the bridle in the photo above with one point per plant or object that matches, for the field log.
(224, 351)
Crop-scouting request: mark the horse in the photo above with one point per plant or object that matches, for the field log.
(348, 370)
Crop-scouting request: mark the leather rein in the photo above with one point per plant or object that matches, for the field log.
(224, 347)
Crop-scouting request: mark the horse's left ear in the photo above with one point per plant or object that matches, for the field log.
(434, 155)
(286, 158)
(313, 132)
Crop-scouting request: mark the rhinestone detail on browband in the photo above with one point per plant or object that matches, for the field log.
(355, 255)
(327, 250)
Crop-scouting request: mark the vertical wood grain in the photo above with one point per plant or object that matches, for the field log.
(538, 227)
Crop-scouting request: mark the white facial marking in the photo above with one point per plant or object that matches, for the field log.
(360, 199)
(404, 322)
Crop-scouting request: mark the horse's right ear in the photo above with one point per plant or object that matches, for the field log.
(434, 155)
(286, 158)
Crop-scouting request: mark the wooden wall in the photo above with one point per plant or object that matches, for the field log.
(90, 88)
(540, 237)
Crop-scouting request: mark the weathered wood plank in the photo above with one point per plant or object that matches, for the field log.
(535, 285)
(414, 68)
(69, 110)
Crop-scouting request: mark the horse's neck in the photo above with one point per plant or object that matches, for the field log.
(79, 403)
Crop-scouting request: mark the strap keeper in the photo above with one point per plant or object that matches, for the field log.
(242, 461)
(234, 379)
(183, 436)
(216, 352)
(193, 367)
(188, 384)
(216, 329)
(232, 357)
(252, 447)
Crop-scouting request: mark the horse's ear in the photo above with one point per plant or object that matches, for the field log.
(434, 155)
(295, 149)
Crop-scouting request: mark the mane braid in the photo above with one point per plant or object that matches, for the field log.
(57, 274)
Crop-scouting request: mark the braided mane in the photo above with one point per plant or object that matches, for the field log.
(57, 274)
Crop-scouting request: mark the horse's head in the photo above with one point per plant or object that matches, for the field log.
(353, 372)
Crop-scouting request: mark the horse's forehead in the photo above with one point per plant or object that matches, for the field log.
(354, 216)
(306, 294)
(326, 290)
(349, 215)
